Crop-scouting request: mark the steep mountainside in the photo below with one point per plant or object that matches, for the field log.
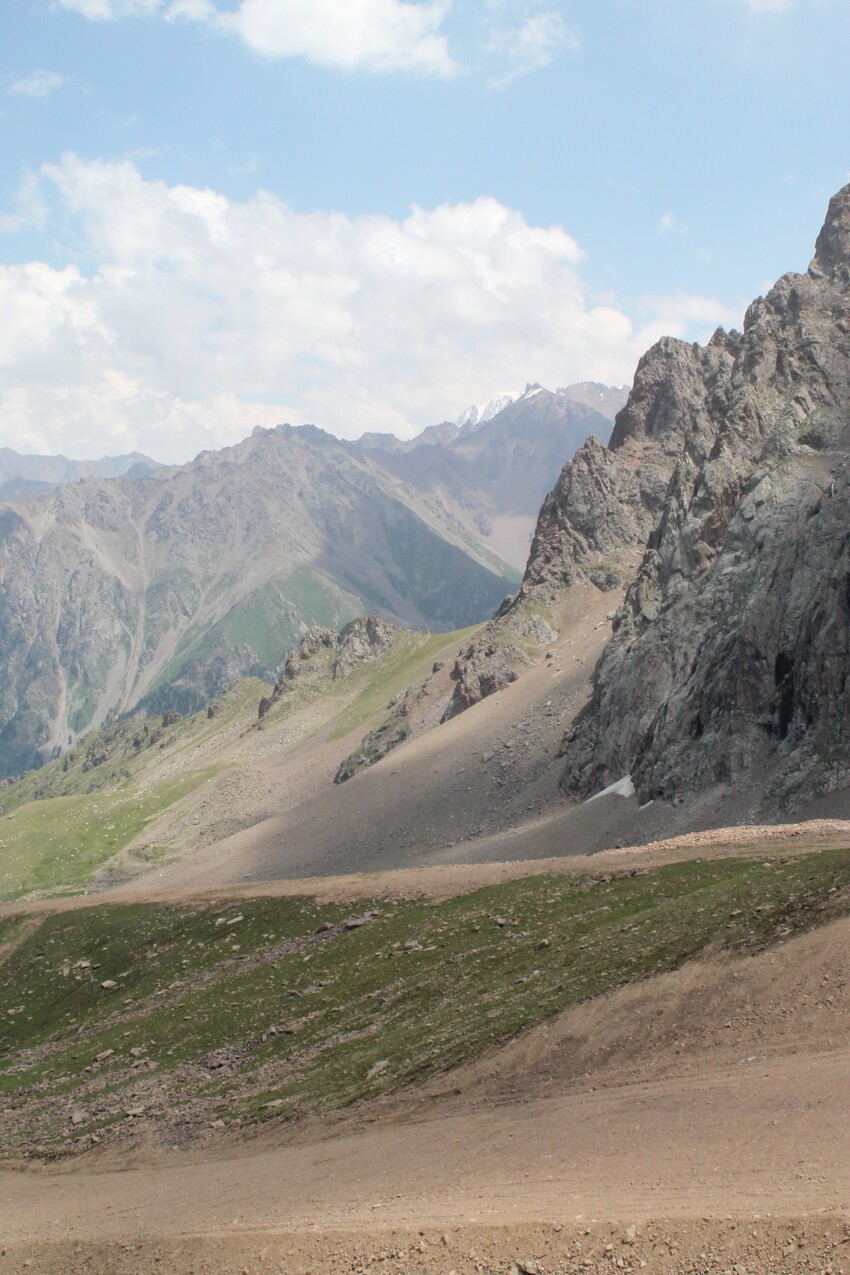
(165, 589)
(723, 503)
(591, 527)
(162, 590)
(730, 661)
(490, 472)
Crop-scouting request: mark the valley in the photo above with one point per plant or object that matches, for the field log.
(471, 933)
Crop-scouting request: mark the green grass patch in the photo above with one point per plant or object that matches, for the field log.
(56, 844)
(212, 1012)
(410, 660)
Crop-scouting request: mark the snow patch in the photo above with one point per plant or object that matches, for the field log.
(622, 788)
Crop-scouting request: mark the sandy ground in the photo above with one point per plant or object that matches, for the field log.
(442, 881)
(696, 1122)
(708, 1108)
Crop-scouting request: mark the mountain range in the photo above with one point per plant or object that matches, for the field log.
(159, 588)
(23, 477)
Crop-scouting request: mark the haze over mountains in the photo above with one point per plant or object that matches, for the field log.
(162, 587)
(492, 469)
(23, 477)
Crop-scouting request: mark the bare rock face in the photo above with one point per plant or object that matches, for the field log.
(607, 500)
(729, 663)
(362, 640)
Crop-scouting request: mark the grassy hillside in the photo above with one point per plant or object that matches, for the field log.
(177, 1021)
(61, 824)
(56, 845)
(120, 756)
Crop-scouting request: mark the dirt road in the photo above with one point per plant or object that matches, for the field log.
(714, 1101)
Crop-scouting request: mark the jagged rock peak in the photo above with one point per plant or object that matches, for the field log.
(832, 249)
(729, 667)
(671, 387)
(363, 639)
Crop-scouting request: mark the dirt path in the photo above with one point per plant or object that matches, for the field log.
(717, 1093)
(739, 1139)
(442, 881)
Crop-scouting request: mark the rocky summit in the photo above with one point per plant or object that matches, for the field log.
(729, 662)
(728, 475)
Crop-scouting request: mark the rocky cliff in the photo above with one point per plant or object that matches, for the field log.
(719, 511)
(594, 523)
(729, 663)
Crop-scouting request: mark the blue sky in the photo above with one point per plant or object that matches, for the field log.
(370, 213)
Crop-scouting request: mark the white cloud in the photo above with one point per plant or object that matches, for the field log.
(107, 10)
(684, 310)
(531, 46)
(383, 35)
(39, 84)
(379, 35)
(670, 225)
(208, 316)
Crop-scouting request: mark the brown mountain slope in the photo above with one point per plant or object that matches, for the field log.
(164, 590)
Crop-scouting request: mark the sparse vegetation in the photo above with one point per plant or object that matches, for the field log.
(120, 755)
(242, 1011)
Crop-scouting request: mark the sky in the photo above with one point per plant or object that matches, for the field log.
(369, 214)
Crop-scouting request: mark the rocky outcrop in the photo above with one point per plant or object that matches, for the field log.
(730, 660)
(325, 655)
(374, 746)
(604, 505)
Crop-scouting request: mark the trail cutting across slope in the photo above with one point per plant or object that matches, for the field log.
(702, 1115)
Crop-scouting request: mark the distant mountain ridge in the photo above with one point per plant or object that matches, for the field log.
(24, 476)
(491, 470)
(158, 590)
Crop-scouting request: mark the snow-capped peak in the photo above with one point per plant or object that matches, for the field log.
(478, 413)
